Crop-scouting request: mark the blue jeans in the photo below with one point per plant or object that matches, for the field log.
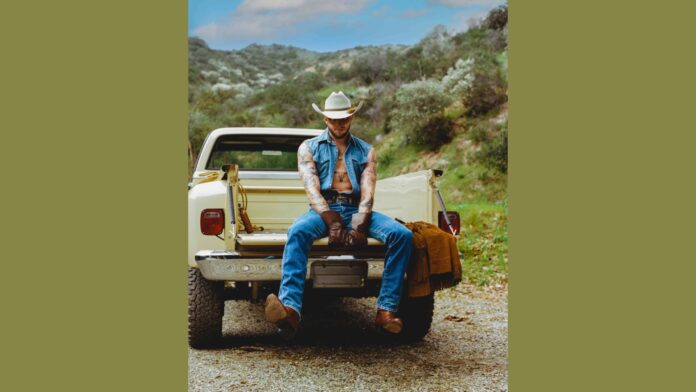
(309, 227)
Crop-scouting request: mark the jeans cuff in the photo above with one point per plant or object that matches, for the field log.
(295, 309)
(387, 308)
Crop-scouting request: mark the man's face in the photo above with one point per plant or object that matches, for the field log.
(339, 128)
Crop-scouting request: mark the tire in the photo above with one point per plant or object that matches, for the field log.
(417, 315)
(206, 305)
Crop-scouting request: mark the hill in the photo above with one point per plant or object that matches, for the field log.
(440, 103)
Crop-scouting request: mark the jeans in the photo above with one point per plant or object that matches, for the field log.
(309, 227)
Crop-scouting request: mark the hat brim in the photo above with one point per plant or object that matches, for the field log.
(337, 114)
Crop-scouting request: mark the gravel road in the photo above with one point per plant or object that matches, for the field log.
(338, 349)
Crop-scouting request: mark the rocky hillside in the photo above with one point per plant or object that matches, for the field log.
(259, 66)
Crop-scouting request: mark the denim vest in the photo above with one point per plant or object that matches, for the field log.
(325, 153)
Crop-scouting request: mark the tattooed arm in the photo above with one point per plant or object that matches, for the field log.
(308, 173)
(360, 222)
(368, 182)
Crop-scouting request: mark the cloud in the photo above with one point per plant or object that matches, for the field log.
(462, 3)
(260, 19)
(414, 13)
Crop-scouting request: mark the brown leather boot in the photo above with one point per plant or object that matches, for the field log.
(387, 321)
(285, 318)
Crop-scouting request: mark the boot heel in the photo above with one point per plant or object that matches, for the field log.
(274, 309)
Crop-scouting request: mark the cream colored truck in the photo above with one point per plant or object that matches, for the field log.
(254, 170)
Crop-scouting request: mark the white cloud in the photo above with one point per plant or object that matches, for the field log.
(258, 19)
(461, 3)
(414, 13)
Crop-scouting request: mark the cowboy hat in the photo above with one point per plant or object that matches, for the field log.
(337, 106)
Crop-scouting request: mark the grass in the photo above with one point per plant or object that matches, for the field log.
(483, 242)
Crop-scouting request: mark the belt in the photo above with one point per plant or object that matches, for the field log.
(342, 198)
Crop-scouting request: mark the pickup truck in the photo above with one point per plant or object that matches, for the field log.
(245, 192)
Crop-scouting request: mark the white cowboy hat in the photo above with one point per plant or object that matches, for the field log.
(337, 106)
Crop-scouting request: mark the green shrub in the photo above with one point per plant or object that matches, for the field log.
(291, 98)
(497, 19)
(387, 125)
(371, 68)
(459, 79)
(200, 124)
(419, 113)
(339, 74)
(478, 134)
(385, 159)
(488, 91)
(436, 132)
(494, 154)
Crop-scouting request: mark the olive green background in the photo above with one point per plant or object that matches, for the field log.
(94, 128)
(602, 192)
(94, 196)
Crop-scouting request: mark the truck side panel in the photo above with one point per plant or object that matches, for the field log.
(408, 197)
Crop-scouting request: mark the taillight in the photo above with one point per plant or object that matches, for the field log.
(454, 221)
(212, 221)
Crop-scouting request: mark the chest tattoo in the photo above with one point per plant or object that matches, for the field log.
(341, 175)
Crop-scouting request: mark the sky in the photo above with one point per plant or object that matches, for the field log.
(327, 25)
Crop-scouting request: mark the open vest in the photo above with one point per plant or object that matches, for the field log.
(325, 154)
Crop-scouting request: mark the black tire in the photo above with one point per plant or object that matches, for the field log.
(417, 315)
(206, 305)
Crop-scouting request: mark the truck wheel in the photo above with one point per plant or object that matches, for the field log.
(417, 315)
(206, 305)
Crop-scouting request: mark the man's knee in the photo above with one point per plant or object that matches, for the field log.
(401, 234)
(302, 232)
(297, 231)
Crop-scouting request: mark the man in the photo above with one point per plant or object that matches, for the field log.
(339, 175)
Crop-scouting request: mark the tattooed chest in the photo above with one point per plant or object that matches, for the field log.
(341, 182)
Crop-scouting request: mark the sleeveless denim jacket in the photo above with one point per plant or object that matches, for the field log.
(325, 154)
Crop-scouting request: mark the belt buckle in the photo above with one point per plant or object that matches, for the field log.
(342, 199)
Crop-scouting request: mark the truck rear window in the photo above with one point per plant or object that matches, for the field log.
(256, 152)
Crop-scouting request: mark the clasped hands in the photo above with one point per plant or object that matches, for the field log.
(339, 236)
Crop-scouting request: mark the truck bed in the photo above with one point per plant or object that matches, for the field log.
(275, 200)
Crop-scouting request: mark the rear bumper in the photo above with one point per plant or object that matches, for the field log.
(230, 266)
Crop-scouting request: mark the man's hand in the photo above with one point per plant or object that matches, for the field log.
(357, 236)
(337, 233)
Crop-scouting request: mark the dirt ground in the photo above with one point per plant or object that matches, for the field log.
(339, 350)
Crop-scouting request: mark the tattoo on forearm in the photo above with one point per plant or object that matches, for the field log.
(308, 173)
(368, 183)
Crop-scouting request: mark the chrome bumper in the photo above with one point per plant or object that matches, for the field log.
(229, 266)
